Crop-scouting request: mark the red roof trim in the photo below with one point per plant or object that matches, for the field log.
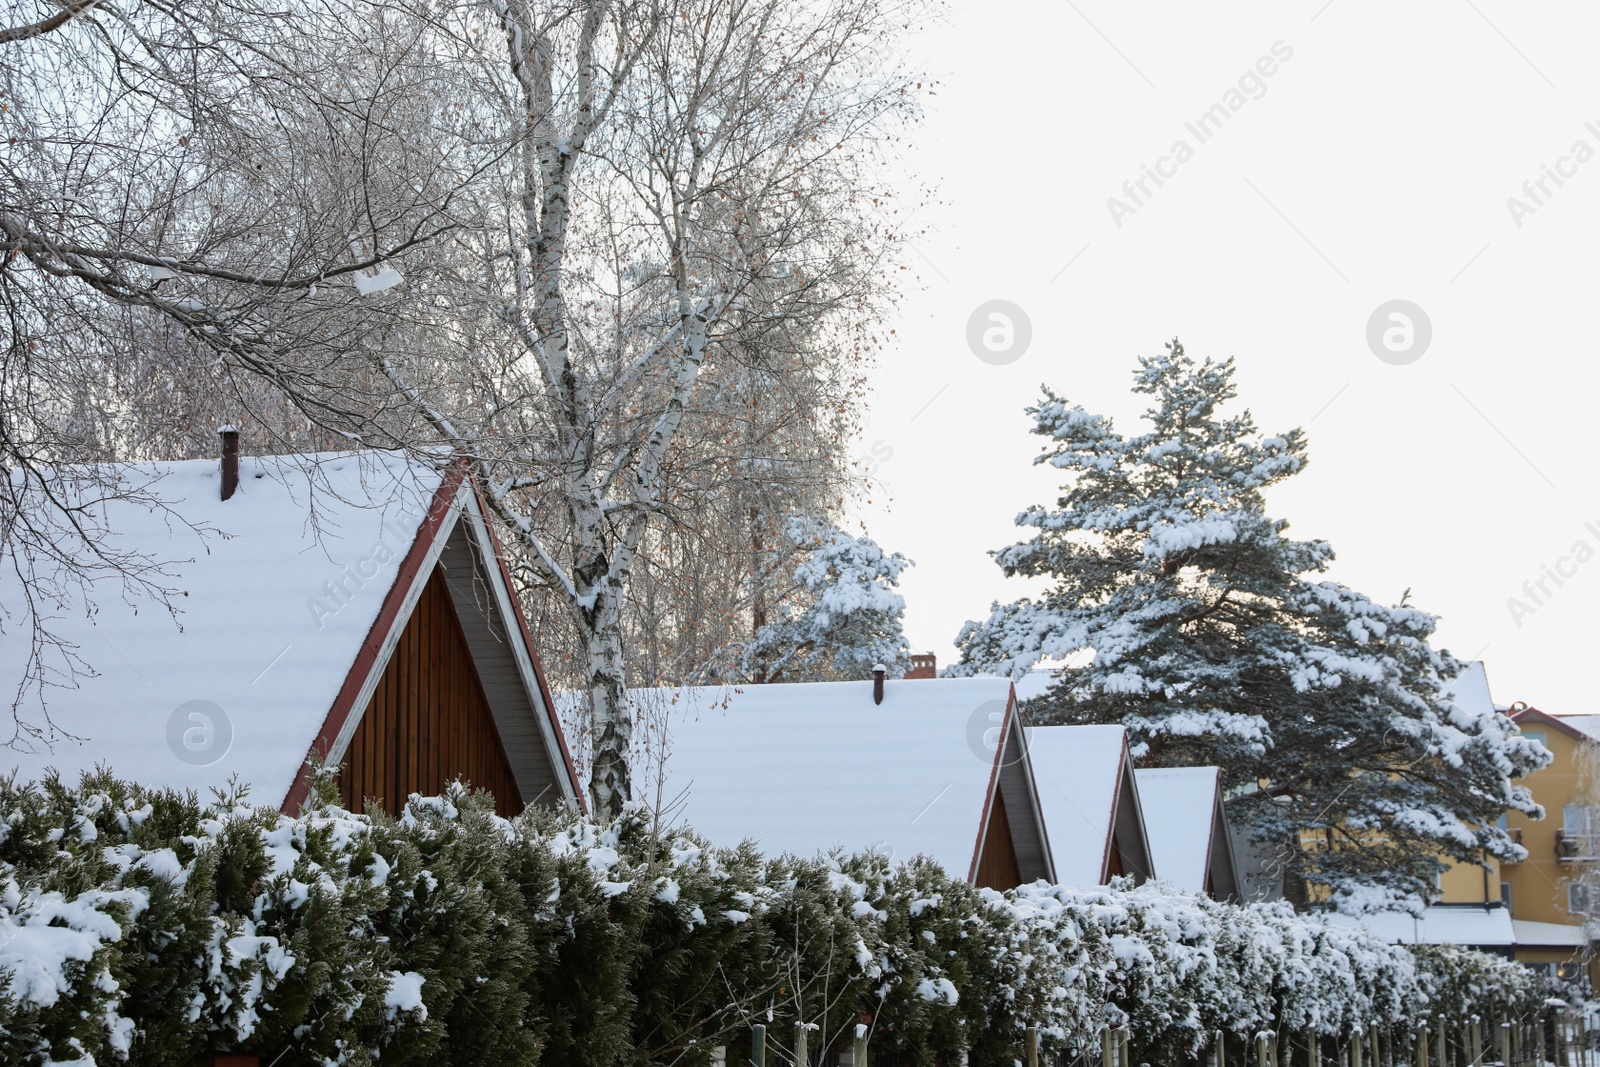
(388, 615)
(533, 653)
(1550, 720)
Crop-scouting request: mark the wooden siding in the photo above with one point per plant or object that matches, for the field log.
(1017, 788)
(429, 721)
(1132, 853)
(519, 714)
(997, 863)
(1115, 867)
(1222, 872)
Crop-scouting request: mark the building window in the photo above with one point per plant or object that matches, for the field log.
(1579, 833)
(1536, 735)
(1505, 895)
(1580, 820)
(1580, 898)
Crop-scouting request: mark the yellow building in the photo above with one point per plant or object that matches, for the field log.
(1549, 892)
(1545, 909)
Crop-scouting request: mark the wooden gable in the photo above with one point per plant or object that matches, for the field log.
(1128, 850)
(428, 721)
(997, 862)
(1014, 848)
(449, 685)
(1222, 869)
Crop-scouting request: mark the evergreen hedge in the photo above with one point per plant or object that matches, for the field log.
(144, 927)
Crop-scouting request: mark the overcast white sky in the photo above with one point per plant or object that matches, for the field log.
(1375, 165)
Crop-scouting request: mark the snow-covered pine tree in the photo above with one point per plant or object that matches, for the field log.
(1216, 640)
(842, 616)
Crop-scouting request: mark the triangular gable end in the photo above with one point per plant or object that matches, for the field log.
(1127, 846)
(429, 720)
(1012, 847)
(1222, 867)
(480, 708)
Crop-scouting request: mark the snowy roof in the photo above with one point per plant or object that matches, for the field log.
(1549, 934)
(1470, 689)
(807, 767)
(1180, 819)
(1588, 725)
(247, 667)
(1473, 925)
(1080, 772)
(1035, 683)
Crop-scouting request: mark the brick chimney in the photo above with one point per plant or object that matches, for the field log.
(230, 460)
(923, 666)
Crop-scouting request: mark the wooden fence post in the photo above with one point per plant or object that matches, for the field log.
(1419, 1045)
(1475, 1041)
(1032, 1057)
(1122, 1042)
(1439, 1044)
(758, 1045)
(1355, 1049)
(859, 1048)
(1106, 1048)
(1505, 1044)
(802, 1056)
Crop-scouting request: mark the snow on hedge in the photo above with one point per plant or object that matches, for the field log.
(144, 927)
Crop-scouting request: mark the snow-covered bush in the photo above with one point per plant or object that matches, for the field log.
(146, 928)
(1461, 983)
(1175, 968)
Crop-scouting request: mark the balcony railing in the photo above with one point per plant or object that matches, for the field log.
(1575, 847)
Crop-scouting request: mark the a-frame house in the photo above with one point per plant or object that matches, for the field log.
(1187, 824)
(348, 607)
(1091, 804)
(933, 767)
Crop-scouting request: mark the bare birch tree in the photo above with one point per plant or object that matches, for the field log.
(687, 176)
(643, 251)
